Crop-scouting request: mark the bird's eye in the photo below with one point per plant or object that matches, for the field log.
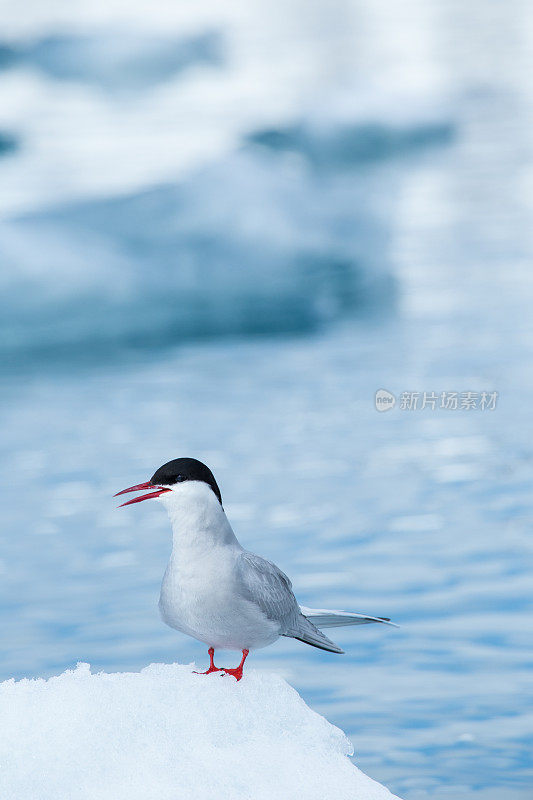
(180, 478)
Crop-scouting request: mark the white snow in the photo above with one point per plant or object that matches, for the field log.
(166, 733)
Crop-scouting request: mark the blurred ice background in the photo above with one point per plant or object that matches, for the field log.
(223, 228)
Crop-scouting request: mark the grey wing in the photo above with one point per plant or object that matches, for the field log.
(264, 584)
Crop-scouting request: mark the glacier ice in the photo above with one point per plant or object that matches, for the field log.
(118, 61)
(358, 126)
(166, 733)
(249, 244)
(8, 142)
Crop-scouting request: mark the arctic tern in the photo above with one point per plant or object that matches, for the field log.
(216, 591)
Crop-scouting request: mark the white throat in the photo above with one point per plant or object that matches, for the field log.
(197, 518)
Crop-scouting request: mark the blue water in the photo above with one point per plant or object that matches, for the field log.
(229, 264)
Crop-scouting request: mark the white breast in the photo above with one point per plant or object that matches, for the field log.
(199, 591)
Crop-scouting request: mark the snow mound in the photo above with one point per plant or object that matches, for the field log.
(165, 734)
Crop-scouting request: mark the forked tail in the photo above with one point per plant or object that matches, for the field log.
(325, 618)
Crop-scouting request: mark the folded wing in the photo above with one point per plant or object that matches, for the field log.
(264, 584)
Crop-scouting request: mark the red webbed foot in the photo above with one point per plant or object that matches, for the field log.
(237, 671)
(212, 667)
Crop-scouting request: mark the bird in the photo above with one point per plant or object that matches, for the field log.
(216, 591)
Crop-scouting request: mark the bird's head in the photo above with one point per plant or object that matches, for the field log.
(174, 481)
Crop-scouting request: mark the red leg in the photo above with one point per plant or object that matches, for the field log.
(237, 671)
(212, 667)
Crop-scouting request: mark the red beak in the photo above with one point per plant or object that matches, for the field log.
(139, 487)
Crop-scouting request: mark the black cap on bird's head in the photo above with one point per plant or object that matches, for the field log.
(185, 469)
(177, 471)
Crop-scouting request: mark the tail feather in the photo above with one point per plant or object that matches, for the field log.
(306, 632)
(324, 618)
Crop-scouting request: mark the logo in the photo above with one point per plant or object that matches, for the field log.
(384, 400)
